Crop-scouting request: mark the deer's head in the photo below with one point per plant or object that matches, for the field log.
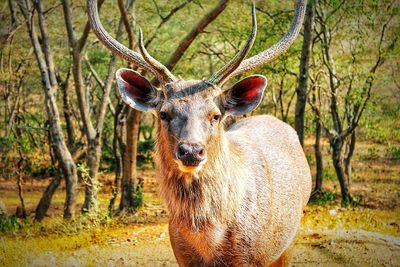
(190, 111)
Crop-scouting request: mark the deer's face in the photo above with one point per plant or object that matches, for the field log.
(190, 115)
(192, 124)
(190, 111)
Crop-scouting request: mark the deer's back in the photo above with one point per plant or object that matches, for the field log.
(285, 187)
(277, 143)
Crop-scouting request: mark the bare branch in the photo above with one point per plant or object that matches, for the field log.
(190, 37)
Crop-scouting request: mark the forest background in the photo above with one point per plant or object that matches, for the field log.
(76, 161)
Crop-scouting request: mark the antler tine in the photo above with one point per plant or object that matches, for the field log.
(157, 66)
(277, 49)
(117, 48)
(220, 76)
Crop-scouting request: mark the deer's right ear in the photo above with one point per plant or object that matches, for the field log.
(137, 91)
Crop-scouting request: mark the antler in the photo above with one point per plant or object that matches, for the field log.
(155, 65)
(223, 73)
(267, 55)
(148, 63)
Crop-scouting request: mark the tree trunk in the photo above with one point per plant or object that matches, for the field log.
(21, 211)
(318, 157)
(62, 153)
(45, 201)
(350, 151)
(93, 163)
(118, 150)
(337, 146)
(304, 67)
(129, 166)
(68, 112)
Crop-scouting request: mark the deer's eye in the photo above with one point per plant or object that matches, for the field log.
(215, 118)
(163, 115)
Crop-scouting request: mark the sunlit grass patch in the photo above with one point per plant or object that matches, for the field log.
(335, 217)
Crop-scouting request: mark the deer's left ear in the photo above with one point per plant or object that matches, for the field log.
(244, 96)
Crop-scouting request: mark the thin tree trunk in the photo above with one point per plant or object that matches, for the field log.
(45, 201)
(13, 113)
(337, 146)
(318, 157)
(67, 108)
(129, 166)
(62, 153)
(118, 151)
(315, 105)
(304, 67)
(76, 49)
(350, 151)
(93, 134)
(22, 211)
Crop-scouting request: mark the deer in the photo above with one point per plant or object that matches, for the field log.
(234, 193)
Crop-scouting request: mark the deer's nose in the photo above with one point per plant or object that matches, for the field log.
(191, 154)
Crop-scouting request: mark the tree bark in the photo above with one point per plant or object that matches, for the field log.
(93, 134)
(45, 200)
(344, 125)
(337, 146)
(22, 211)
(318, 157)
(304, 68)
(129, 166)
(315, 104)
(351, 146)
(67, 110)
(118, 150)
(62, 153)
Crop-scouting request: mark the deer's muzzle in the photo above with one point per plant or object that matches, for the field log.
(190, 156)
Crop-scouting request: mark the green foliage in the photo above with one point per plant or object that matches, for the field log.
(394, 152)
(354, 201)
(328, 173)
(138, 198)
(84, 174)
(372, 154)
(310, 158)
(324, 198)
(99, 56)
(145, 151)
(44, 171)
(9, 223)
(89, 220)
(6, 143)
(379, 123)
(30, 138)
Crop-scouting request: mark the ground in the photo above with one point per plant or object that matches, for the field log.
(148, 245)
(331, 235)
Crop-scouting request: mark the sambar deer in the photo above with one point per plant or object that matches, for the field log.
(235, 196)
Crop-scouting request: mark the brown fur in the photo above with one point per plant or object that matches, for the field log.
(284, 259)
(236, 211)
(235, 196)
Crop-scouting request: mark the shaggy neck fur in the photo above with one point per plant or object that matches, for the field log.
(193, 199)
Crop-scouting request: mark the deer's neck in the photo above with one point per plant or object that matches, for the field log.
(211, 193)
